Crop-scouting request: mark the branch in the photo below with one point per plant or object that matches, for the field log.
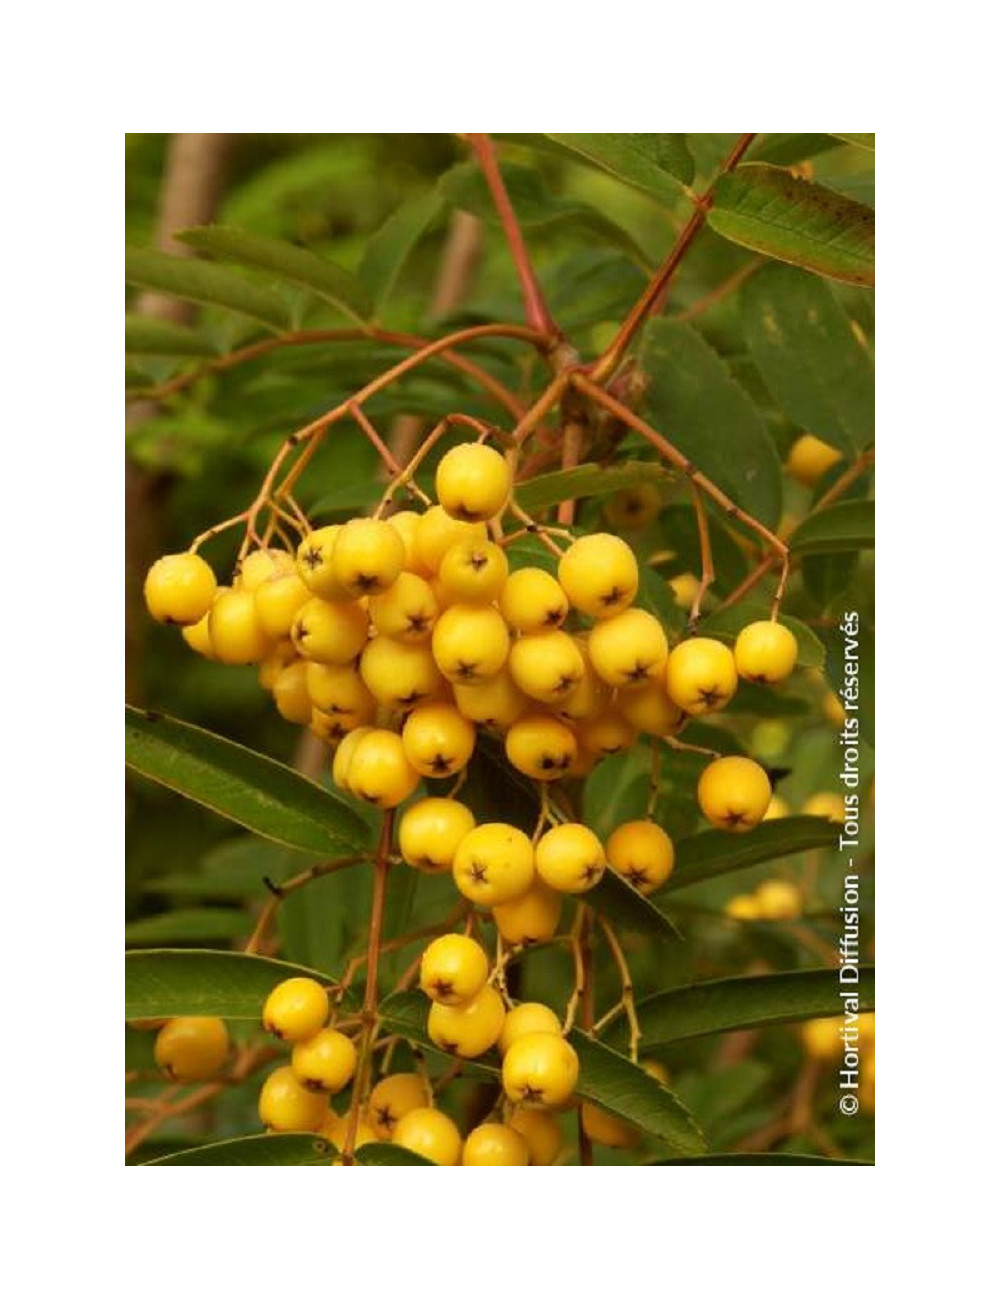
(369, 1008)
(655, 291)
(536, 313)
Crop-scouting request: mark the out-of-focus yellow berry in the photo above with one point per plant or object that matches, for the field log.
(190, 1049)
(810, 458)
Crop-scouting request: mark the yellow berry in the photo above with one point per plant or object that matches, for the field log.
(260, 566)
(333, 728)
(344, 756)
(334, 1129)
(329, 633)
(600, 575)
(533, 601)
(199, 638)
(368, 556)
(236, 636)
(392, 1098)
(528, 1018)
(495, 1144)
(607, 733)
(810, 458)
(540, 1069)
(628, 650)
(570, 858)
(405, 523)
(778, 900)
(379, 770)
(825, 804)
(496, 702)
(190, 1049)
(643, 853)
(606, 1129)
(765, 652)
(436, 532)
(285, 1106)
(541, 1132)
(290, 694)
(822, 1038)
(470, 643)
(438, 740)
(430, 832)
(590, 696)
(685, 587)
(298, 1008)
(406, 611)
(470, 1028)
(472, 482)
(633, 508)
(743, 907)
(547, 666)
(429, 1133)
(866, 1085)
(453, 969)
(397, 674)
(541, 747)
(325, 1062)
(276, 602)
(733, 793)
(770, 738)
(776, 808)
(279, 657)
(866, 1028)
(314, 564)
(493, 864)
(472, 573)
(531, 918)
(650, 709)
(339, 688)
(833, 708)
(701, 675)
(179, 589)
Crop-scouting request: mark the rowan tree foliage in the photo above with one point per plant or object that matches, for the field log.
(505, 794)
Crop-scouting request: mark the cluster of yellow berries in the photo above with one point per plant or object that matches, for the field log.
(394, 639)
(468, 1017)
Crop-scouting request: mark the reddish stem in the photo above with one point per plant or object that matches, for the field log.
(655, 291)
(536, 313)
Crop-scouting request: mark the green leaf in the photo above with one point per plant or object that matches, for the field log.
(384, 1153)
(651, 163)
(845, 526)
(145, 336)
(612, 1082)
(260, 1149)
(801, 341)
(746, 1002)
(266, 797)
(298, 266)
(727, 624)
(615, 899)
(771, 211)
(697, 405)
(865, 141)
(139, 1045)
(714, 853)
(536, 207)
(197, 982)
(188, 924)
(760, 1158)
(546, 490)
(213, 286)
(781, 150)
(387, 250)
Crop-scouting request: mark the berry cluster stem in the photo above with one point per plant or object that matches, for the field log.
(369, 1008)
